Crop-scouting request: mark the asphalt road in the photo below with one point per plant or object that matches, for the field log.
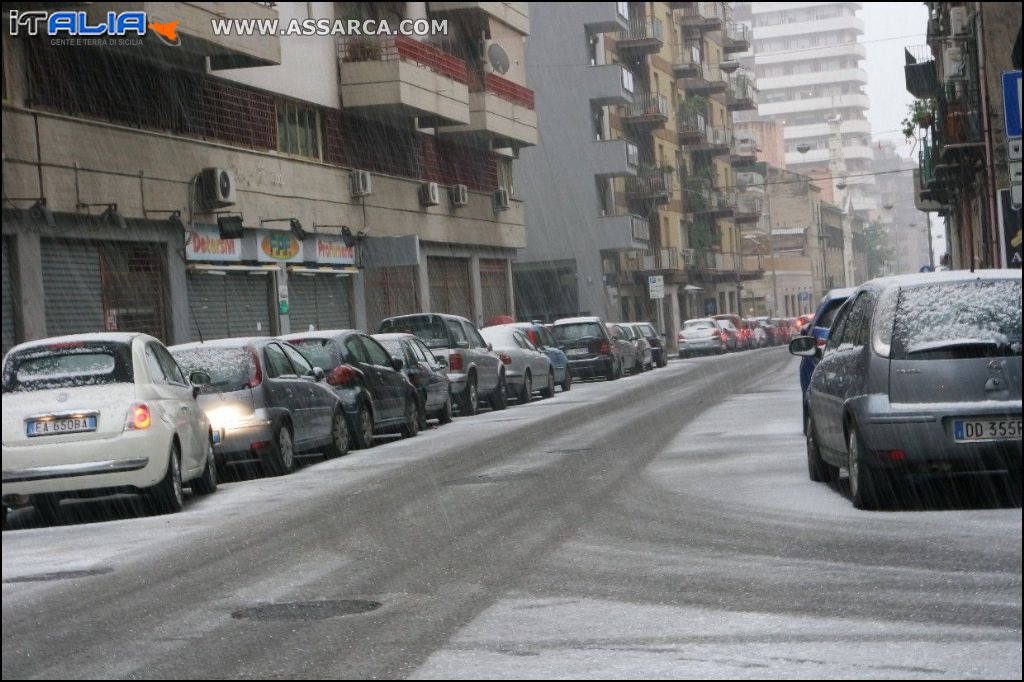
(658, 526)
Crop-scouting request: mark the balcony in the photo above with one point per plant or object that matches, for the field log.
(623, 232)
(717, 141)
(742, 152)
(608, 84)
(501, 112)
(709, 202)
(643, 37)
(726, 266)
(646, 111)
(195, 29)
(654, 185)
(708, 16)
(958, 128)
(605, 17)
(650, 261)
(708, 81)
(748, 209)
(401, 77)
(691, 128)
(740, 93)
(919, 73)
(686, 61)
(514, 14)
(737, 38)
(612, 158)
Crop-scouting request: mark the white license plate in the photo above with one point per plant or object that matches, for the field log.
(576, 352)
(51, 427)
(981, 429)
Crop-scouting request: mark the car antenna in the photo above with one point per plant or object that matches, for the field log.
(195, 320)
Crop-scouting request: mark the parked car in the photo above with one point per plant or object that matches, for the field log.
(735, 337)
(784, 330)
(372, 385)
(91, 414)
(704, 335)
(818, 328)
(641, 350)
(526, 368)
(589, 347)
(643, 345)
(744, 335)
(265, 402)
(473, 370)
(540, 335)
(921, 374)
(802, 324)
(426, 374)
(657, 341)
(773, 336)
(627, 349)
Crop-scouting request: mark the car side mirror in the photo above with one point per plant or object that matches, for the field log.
(490, 346)
(441, 362)
(804, 346)
(397, 364)
(319, 374)
(199, 379)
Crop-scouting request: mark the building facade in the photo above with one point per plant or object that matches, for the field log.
(230, 187)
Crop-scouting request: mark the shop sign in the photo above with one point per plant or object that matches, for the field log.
(333, 251)
(204, 243)
(278, 247)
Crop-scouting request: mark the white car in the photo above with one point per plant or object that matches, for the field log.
(526, 368)
(97, 414)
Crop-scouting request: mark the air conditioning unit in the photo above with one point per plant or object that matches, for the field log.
(496, 57)
(459, 195)
(430, 194)
(958, 21)
(362, 184)
(501, 200)
(217, 188)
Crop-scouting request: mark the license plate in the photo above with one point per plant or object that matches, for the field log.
(576, 352)
(216, 436)
(51, 427)
(981, 429)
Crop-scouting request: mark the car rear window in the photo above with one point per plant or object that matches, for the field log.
(429, 329)
(958, 319)
(699, 324)
(648, 330)
(394, 348)
(68, 365)
(319, 352)
(229, 368)
(578, 331)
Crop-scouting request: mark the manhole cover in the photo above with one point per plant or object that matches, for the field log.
(308, 610)
(59, 575)
(494, 478)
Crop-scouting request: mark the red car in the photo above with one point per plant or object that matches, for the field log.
(745, 339)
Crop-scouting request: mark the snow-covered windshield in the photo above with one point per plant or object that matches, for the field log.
(428, 328)
(229, 368)
(67, 366)
(577, 331)
(319, 352)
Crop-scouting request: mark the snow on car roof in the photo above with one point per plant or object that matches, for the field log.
(111, 337)
(222, 343)
(578, 320)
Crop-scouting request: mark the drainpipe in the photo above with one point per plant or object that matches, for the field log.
(990, 237)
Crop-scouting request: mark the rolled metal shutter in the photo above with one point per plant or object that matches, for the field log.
(390, 291)
(302, 302)
(450, 287)
(8, 300)
(320, 301)
(72, 287)
(494, 288)
(248, 304)
(208, 314)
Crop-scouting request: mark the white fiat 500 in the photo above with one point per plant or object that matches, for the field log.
(98, 414)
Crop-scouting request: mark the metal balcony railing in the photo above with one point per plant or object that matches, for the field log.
(747, 204)
(738, 33)
(643, 29)
(705, 10)
(690, 123)
(686, 56)
(741, 88)
(959, 114)
(647, 104)
(655, 183)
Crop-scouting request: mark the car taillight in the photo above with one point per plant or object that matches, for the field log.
(505, 359)
(534, 338)
(655, 343)
(822, 343)
(342, 375)
(455, 362)
(724, 337)
(604, 348)
(139, 417)
(256, 371)
(894, 455)
(682, 336)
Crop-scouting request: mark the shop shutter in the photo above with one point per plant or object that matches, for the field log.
(72, 289)
(450, 287)
(8, 301)
(131, 276)
(208, 314)
(319, 300)
(230, 305)
(390, 291)
(302, 302)
(494, 288)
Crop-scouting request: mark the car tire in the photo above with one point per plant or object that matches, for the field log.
(362, 427)
(526, 392)
(445, 415)
(818, 470)
(421, 410)
(549, 391)
(613, 373)
(567, 381)
(469, 400)
(48, 508)
(499, 398)
(168, 496)
(340, 438)
(206, 484)
(279, 458)
(411, 425)
(863, 482)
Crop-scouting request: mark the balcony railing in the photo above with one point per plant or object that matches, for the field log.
(686, 61)
(508, 91)
(748, 208)
(691, 125)
(391, 48)
(703, 198)
(738, 33)
(647, 105)
(959, 110)
(741, 93)
(650, 184)
(706, 12)
(642, 30)
(719, 262)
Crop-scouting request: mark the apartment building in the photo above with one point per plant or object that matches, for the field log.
(230, 186)
(908, 229)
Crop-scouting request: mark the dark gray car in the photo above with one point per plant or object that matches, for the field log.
(265, 402)
(426, 374)
(921, 375)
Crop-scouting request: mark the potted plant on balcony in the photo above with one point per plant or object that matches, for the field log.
(694, 106)
(364, 49)
(919, 115)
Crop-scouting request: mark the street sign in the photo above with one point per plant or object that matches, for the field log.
(656, 283)
(1014, 146)
(803, 296)
(1011, 103)
(1010, 229)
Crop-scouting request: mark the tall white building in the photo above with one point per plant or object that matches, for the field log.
(807, 60)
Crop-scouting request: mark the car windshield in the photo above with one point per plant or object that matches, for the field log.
(577, 331)
(319, 352)
(229, 368)
(958, 319)
(393, 347)
(67, 365)
(428, 328)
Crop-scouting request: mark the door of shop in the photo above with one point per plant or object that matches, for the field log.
(494, 288)
(390, 291)
(450, 287)
(319, 301)
(227, 304)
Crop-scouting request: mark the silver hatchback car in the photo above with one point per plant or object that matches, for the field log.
(921, 375)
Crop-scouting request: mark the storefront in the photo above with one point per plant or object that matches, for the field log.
(8, 299)
(320, 296)
(451, 289)
(494, 288)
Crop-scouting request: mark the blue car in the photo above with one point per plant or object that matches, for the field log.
(819, 329)
(545, 341)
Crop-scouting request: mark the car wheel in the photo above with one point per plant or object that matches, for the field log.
(638, 368)
(279, 458)
(445, 416)
(549, 392)
(469, 400)
(207, 483)
(863, 483)
(662, 360)
(818, 470)
(363, 431)
(421, 413)
(526, 392)
(567, 381)
(339, 436)
(48, 508)
(499, 398)
(411, 427)
(168, 495)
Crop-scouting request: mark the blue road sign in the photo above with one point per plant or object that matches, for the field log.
(1011, 102)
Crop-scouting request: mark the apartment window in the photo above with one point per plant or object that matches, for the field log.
(298, 130)
(505, 175)
(623, 9)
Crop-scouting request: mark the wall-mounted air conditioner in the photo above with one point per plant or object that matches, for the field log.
(501, 200)
(459, 195)
(430, 194)
(958, 25)
(217, 188)
(362, 184)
